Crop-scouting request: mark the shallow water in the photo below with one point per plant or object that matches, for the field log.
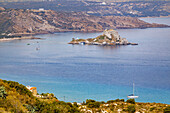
(97, 72)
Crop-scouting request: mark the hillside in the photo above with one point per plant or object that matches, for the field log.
(26, 22)
(16, 98)
(133, 8)
(78, 0)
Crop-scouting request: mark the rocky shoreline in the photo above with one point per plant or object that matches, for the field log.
(108, 38)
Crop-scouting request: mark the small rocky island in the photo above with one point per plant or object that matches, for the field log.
(109, 38)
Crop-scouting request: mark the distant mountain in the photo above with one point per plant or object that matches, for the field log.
(131, 8)
(25, 22)
(18, 0)
(82, 0)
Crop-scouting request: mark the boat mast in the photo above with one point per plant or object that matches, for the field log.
(133, 89)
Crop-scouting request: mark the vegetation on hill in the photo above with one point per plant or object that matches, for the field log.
(119, 105)
(16, 98)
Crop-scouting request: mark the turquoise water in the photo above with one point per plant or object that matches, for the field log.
(92, 72)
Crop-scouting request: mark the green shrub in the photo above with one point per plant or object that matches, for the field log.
(75, 104)
(70, 104)
(122, 100)
(21, 89)
(89, 101)
(117, 100)
(102, 102)
(101, 37)
(167, 109)
(132, 101)
(110, 101)
(3, 93)
(131, 109)
(152, 108)
(93, 104)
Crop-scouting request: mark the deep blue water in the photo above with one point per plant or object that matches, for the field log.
(92, 72)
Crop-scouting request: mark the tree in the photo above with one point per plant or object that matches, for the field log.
(3, 93)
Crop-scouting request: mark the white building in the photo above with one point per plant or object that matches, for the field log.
(103, 3)
(41, 9)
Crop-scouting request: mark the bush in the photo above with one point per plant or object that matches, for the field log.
(131, 109)
(167, 109)
(117, 100)
(93, 104)
(152, 108)
(122, 100)
(102, 102)
(132, 101)
(75, 104)
(110, 101)
(3, 93)
(21, 89)
(89, 101)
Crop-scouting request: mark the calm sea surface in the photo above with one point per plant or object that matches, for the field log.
(77, 73)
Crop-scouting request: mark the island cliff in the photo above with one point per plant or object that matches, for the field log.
(109, 37)
(14, 22)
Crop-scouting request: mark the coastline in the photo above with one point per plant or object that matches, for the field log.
(31, 35)
(16, 38)
(155, 17)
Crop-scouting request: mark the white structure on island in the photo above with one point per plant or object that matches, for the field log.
(41, 9)
(103, 3)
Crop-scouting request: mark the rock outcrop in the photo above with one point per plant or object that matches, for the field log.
(2, 9)
(109, 37)
(26, 22)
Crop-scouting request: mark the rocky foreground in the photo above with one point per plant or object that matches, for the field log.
(16, 22)
(16, 98)
(109, 38)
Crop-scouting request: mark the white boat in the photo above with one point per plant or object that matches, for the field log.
(132, 96)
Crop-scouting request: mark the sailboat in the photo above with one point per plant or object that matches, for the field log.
(132, 96)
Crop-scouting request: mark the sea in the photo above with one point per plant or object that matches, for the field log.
(75, 73)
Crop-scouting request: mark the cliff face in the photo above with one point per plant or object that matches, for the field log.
(19, 22)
